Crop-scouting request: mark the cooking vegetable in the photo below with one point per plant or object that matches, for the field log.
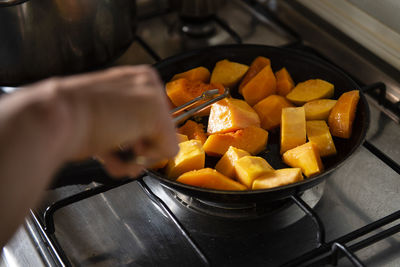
(306, 157)
(252, 139)
(319, 109)
(256, 66)
(159, 165)
(310, 90)
(182, 137)
(228, 73)
(190, 157)
(284, 82)
(197, 74)
(343, 113)
(277, 178)
(248, 168)
(193, 130)
(261, 86)
(226, 165)
(231, 114)
(209, 178)
(318, 133)
(270, 110)
(293, 128)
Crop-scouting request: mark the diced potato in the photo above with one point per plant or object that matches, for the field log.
(228, 73)
(293, 128)
(319, 109)
(277, 178)
(343, 113)
(284, 82)
(318, 133)
(231, 114)
(226, 165)
(261, 86)
(252, 139)
(190, 157)
(256, 66)
(193, 130)
(248, 168)
(306, 157)
(210, 178)
(197, 74)
(310, 90)
(270, 111)
(161, 164)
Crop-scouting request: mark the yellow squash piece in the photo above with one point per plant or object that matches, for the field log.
(248, 168)
(270, 111)
(226, 165)
(318, 133)
(277, 178)
(306, 157)
(228, 115)
(319, 109)
(193, 130)
(251, 139)
(210, 178)
(310, 90)
(293, 128)
(228, 73)
(197, 74)
(190, 157)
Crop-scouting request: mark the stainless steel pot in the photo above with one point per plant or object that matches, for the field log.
(42, 38)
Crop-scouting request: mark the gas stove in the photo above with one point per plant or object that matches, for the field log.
(351, 219)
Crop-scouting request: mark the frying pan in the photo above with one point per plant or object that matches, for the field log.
(301, 67)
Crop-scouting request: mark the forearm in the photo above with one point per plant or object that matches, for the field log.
(34, 127)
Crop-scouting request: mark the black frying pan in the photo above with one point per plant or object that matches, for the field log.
(301, 67)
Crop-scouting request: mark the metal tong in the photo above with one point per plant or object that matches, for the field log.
(127, 155)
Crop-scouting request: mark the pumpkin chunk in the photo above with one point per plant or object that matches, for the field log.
(228, 73)
(190, 157)
(293, 128)
(318, 133)
(343, 113)
(251, 139)
(193, 130)
(284, 82)
(210, 178)
(319, 109)
(197, 74)
(248, 168)
(270, 110)
(231, 114)
(306, 157)
(277, 178)
(261, 86)
(161, 164)
(256, 66)
(226, 165)
(310, 90)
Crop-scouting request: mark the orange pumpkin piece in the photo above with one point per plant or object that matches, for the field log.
(319, 109)
(181, 137)
(277, 178)
(270, 111)
(293, 128)
(226, 165)
(256, 66)
(193, 130)
(231, 114)
(228, 73)
(306, 157)
(251, 139)
(210, 178)
(343, 113)
(284, 82)
(161, 164)
(197, 74)
(310, 90)
(190, 157)
(318, 133)
(261, 86)
(248, 168)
